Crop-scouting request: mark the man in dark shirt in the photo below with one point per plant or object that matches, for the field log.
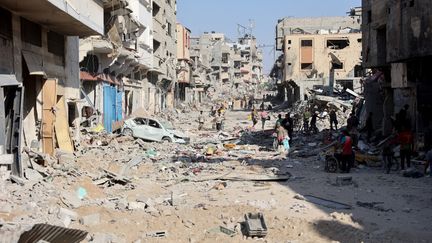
(333, 119)
(287, 123)
(313, 121)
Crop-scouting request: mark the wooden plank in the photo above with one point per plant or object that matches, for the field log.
(62, 127)
(49, 101)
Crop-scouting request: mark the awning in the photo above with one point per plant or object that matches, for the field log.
(34, 63)
(8, 80)
(86, 76)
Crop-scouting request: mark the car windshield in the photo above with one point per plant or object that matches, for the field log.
(167, 125)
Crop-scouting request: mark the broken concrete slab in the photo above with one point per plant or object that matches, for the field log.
(91, 219)
(71, 199)
(67, 216)
(136, 206)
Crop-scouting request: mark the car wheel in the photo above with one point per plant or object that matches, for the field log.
(128, 132)
(166, 139)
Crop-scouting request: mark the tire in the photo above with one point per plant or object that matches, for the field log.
(331, 164)
(166, 139)
(127, 132)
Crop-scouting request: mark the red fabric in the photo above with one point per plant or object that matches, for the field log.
(405, 138)
(347, 145)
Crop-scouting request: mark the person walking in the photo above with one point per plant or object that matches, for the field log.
(287, 123)
(306, 117)
(352, 122)
(262, 106)
(255, 116)
(282, 137)
(313, 121)
(333, 120)
(406, 141)
(201, 121)
(278, 120)
(347, 152)
(219, 121)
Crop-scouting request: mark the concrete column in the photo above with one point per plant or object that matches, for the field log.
(72, 81)
(17, 46)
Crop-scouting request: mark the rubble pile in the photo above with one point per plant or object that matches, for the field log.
(122, 189)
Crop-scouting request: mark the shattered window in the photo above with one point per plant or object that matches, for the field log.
(140, 121)
(306, 66)
(306, 43)
(337, 44)
(337, 65)
(154, 124)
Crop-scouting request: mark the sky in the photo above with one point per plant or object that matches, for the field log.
(224, 15)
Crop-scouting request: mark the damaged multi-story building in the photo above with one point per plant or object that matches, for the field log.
(131, 69)
(114, 65)
(319, 53)
(39, 73)
(247, 63)
(163, 76)
(397, 46)
(232, 68)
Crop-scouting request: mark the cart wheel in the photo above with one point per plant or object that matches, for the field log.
(331, 164)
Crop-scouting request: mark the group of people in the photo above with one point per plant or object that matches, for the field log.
(284, 129)
(218, 112)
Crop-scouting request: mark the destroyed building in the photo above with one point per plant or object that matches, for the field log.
(40, 78)
(114, 65)
(232, 67)
(186, 89)
(319, 53)
(397, 45)
(163, 74)
(131, 68)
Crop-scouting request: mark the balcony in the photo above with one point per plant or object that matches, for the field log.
(68, 17)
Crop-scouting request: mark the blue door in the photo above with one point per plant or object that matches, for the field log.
(112, 106)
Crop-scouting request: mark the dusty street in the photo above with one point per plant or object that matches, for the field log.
(134, 189)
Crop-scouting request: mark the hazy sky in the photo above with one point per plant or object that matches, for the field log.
(224, 15)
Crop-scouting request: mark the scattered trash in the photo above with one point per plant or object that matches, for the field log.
(229, 146)
(81, 193)
(157, 234)
(151, 153)
(224, 230)
(220, 186)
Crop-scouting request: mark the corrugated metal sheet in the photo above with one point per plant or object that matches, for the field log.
(52, 234)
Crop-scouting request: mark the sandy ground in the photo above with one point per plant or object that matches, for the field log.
(402, 212)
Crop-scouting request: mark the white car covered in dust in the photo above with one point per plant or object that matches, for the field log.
(153, 130)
